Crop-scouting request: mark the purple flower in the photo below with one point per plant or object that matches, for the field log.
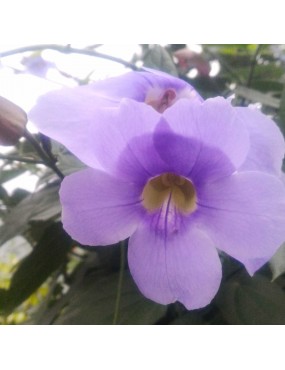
(66, 115)
(182, 183)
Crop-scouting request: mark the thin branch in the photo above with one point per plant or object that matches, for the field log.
(94, 46)
(120, 283)
(45, 157)
(67, 49)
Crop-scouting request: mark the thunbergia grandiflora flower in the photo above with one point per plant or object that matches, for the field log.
(182, 179)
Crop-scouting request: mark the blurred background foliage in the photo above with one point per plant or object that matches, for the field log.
(47, 278)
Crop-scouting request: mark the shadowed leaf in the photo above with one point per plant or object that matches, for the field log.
(277, 263)
(156, 57)
(39, 206)
(251, 301)
(47, 256)
(92, 302)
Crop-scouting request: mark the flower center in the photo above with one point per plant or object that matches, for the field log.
(160, 100)
(169, 187)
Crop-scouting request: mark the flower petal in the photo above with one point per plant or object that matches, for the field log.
(136, 85)
(214, 123)
(244, 215)
(185, 267)
(125, 147)
(267, 145)
(189, 156)
(101, 138)
(68, 116)
(98, 209)
(74, 116)
(252, 265)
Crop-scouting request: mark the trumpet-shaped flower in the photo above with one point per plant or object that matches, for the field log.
(77, 110)
(182, 183)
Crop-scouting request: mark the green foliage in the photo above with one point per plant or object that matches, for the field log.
(277, 263)
(251, 301)
(47, 256)
(92, 301)
(21, 313)
(156, 57)
(40, 206)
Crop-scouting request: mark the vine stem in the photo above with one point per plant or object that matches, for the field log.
(67, 49)
(50, 162)
(120, 283)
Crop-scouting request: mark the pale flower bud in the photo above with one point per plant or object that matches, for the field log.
(13, 121)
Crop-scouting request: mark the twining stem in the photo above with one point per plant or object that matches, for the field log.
(120, 283)
(67, 49)
(45, 157)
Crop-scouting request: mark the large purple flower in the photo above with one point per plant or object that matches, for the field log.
(181, 182)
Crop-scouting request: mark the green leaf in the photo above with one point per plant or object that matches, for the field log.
(39, 206)
(277, 263)
(156, 57)
(67, 162)
(257, 97)
(92, 302)
(232, 49)
(282, 110)
(263, 71)
(47, 256)
(267, 86)
(17, 196)
(6, 175)
(251, 301)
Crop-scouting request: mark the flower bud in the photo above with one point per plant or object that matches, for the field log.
(13, 121)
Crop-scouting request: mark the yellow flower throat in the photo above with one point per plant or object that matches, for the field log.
(170, 187)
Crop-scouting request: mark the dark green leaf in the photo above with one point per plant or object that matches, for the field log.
(4, 196)
(17, 196)
(268, 86)
(256, 96)
(282, 110)
(47, 256)
(93, 302)
(277, 262)
(251, 301)
(261, 71)
(6, 175)
(39, 206)
(189, 318)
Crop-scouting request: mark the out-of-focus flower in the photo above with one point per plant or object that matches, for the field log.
(13, 121)
(37, 65)
(188, 59)
(86, 105)
(180, 183)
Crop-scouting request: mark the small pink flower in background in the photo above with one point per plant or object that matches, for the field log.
(188, 59)
(182, 177)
